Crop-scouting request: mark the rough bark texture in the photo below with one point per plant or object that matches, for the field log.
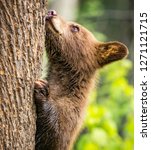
(21, 46)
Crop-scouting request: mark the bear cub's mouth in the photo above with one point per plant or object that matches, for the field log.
(54, 23)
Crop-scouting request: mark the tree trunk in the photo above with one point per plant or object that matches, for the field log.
(21, 46)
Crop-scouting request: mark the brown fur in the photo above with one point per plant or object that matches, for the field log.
(74, 56)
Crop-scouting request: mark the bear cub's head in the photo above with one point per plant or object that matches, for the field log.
(70, 44)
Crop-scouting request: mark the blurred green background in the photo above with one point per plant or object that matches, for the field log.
(109, 121)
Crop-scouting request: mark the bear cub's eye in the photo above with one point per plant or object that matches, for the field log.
(74, 28)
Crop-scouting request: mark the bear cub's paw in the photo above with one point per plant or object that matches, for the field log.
(41, 90)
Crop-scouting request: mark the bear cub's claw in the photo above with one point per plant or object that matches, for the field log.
(41, 90)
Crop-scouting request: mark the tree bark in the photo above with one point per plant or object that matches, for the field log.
(21, 46)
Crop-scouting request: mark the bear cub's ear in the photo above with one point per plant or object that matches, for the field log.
(111, 51)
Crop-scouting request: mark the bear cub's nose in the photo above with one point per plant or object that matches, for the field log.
(52, 13)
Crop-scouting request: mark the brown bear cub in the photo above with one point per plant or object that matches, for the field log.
(74, 55)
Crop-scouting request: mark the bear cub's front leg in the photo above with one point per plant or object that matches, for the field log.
(41, 91)
(47, 118)
(44, 115)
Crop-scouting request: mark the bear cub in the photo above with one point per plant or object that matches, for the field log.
(74, 55)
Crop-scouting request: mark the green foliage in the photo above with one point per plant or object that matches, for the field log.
(88, 14)
(109, 119)
(89, 9)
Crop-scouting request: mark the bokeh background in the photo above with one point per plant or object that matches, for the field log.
(109, 122)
